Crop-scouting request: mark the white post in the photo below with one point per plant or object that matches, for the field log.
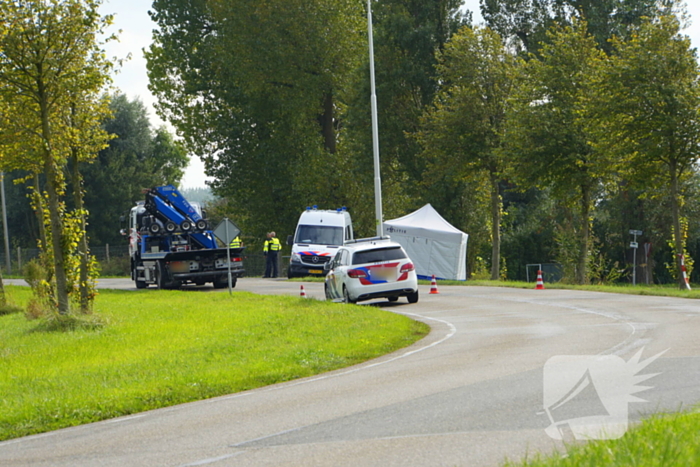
(228, 257)
(8, 260)
(375, 128)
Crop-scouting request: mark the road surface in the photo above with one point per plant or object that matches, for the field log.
(469, 394)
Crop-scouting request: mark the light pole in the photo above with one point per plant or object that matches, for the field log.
(375, 128)
(8, 260)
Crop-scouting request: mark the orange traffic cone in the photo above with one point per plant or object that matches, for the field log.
(302, 293)
(540, 282)
(433, 286)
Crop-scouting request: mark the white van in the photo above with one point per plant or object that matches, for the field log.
(318, 236)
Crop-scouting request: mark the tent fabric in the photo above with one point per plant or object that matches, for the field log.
(434, 245)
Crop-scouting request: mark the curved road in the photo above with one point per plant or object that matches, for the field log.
(470, 394)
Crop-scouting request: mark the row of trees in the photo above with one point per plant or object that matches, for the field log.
(554, 130)
(52, 73)
(70, 148)
(136, 157)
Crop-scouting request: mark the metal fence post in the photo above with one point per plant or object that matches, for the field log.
(107, 251)
(19, 258)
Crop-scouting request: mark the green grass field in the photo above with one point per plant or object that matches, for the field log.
(160, 348)
(661, 441)
(669, 290)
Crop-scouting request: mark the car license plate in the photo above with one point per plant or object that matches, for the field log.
(384, 274)
(315, 271)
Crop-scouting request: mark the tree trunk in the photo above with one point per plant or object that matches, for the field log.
(39, 206)
(52, 188)
(678, 243)
(327, 127)
(495, 228)
(582, 267)
(82, 243)
(3, 298)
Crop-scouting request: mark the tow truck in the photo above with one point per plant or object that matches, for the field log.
(171, 244)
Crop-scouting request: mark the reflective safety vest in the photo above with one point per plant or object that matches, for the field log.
(235, 243)
(272, 244)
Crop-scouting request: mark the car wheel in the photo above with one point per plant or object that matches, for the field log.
(392, 299)
(346, 296)
(412, 297)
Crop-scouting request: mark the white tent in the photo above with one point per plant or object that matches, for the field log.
(435, 246)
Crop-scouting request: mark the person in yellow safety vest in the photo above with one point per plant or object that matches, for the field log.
(236, 242)
(271, 249)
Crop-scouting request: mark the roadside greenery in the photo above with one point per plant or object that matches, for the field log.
(52, 72)
(660, 441)
(667, 290)
(160, 348)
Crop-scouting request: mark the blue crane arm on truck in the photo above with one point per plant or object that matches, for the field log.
(170, 244)
(168, 205)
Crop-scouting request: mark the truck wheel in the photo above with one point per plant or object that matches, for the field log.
(170, 227)
(221, 282)
(141, 284)
(160, 280)
(202, 225)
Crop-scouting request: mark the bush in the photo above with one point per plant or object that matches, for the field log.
(116, 266)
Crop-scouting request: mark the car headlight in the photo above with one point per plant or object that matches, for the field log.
(295, 258)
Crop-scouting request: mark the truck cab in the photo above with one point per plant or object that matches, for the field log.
(318, 236)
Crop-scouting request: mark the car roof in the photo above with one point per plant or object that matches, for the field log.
(373, 244)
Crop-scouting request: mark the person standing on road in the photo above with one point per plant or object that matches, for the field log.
(270, 249)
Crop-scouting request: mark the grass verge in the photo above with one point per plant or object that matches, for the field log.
(160, 348)
(663, 440)
(670, 290)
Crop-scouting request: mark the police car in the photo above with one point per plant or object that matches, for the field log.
(371, 268)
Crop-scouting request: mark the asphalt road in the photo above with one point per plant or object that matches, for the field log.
(469, 394)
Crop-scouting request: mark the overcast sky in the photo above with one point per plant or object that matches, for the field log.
(131, 16)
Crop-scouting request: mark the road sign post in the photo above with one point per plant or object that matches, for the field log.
(226, 231)
(634, 245)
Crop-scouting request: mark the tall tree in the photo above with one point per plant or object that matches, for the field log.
(464, 132)
(50, 54)
(527, 21)
(407, 34)
(136, 158)
(647, 110)
(547, 130)
(255, 89)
